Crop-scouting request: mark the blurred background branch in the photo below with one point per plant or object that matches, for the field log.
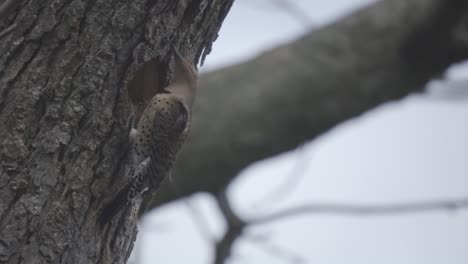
(294, 11)
(298, 91)
(357, 209)
(236, 225)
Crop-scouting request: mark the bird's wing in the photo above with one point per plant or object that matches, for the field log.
(168, 129)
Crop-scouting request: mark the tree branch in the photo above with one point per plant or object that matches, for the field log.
(360, 210)
(236, 225)
(235, 228)
(293, 11)
(293, 93)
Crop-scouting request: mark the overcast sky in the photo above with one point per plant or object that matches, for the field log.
(411, 150)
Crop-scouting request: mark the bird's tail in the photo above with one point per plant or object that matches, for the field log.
(115, 205)
(119, 200)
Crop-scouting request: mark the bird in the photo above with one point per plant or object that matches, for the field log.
(159, 136)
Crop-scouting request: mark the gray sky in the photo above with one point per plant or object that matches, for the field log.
(411, 150)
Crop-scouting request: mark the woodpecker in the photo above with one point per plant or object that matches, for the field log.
(159, 136)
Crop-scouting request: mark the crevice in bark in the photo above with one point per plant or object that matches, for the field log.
(87, 9)
(9, 207)
(9, 84)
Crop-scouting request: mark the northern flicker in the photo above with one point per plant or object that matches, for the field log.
(159, 136)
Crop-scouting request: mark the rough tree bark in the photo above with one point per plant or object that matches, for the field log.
(293, 93)
(63, 135)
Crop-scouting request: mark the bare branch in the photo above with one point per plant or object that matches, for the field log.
(350, 209)
(278, 251)
(295, 12)
(198, 220)
(226, 209)
(283, 6)
(379, 57)
(292, 180)
(235, 227)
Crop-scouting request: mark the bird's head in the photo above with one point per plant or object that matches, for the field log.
(185, 79)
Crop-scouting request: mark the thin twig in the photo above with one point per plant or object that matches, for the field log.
(350, 209)
(280, 252)
(197, 217)
(290, 183)
(236, 225)
(284, 6)
(298, 14)
(198, 220)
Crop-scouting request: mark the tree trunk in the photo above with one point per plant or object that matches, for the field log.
(293, 93)
(64, 70)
